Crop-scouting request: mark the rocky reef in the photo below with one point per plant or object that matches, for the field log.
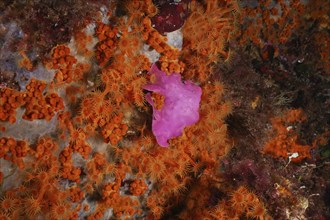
(240, 98)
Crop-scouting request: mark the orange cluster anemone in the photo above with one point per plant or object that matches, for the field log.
(10, 100)
(169, 59)
(107, 36)
(44, 148)
(76, 195)
(63, 63)
(158, 100)
(103, 150)
(25, 62)
(137, 187)
(269, 23)
(285, 143)
(14, 151)
(81, 41)
(71, 173)
(123, 205)
(114, 131)
(98, 167)
(40, 106)
(39, 192)
(213, 27)
(318, 13)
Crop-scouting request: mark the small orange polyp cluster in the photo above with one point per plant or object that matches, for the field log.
(71, 93)
(317, 12)
(41, 197)
(285, 143)
(66, 66)
(246, 202)
(76, 195)
(169, 62)
(123, 205)
(63, 63)
(212, 25)
(82, 148)
(136, 8)
(14, 151)
(62, 58)
(153, 38)
(44, 148)
(65, 156)
(128, 44)
(78, 143)
(97, 167)
(95, 216)
(39, 106)
(71, 173)
(267, 24)
(40, 174)
(107, 42)
(110, 192)
(137, 187)
(240, 204)
(81, 41)
(25, 62)
(114, 131)
(10, 100)
(158, 100)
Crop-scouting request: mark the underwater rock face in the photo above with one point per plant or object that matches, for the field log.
(180, 108)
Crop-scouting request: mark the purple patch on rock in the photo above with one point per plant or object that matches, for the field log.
(180, 108)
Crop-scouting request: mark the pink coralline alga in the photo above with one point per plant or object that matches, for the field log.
(180, 108)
